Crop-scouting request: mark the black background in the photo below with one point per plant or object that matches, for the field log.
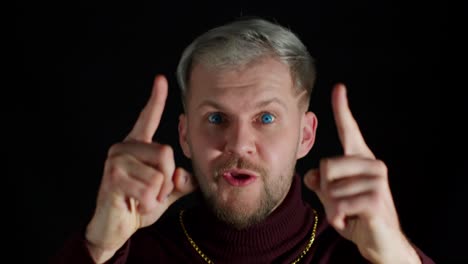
(87, 70)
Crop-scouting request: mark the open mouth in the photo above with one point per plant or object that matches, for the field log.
(239, 177)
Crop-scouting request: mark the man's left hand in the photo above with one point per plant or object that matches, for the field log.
(356, 195)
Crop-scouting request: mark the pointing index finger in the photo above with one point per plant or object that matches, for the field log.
(348, 130)
(149, 118)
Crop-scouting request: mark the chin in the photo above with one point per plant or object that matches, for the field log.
(241, 215)
(239, 219)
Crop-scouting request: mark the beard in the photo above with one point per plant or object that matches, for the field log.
(237, 214)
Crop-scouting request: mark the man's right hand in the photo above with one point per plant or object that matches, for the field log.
(140, 182)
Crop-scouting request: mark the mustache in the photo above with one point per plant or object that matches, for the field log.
(237, 162)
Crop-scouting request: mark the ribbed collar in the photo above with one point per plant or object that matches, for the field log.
(287, 229)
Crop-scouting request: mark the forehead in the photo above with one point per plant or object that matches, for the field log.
(265, 77)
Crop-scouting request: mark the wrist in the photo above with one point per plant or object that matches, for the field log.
(98, 242)
(98, 254)
(403, 252)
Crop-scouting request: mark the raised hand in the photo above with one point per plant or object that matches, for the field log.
(356, 195)
(140, 182)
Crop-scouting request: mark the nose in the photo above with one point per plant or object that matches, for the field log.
(240, 139)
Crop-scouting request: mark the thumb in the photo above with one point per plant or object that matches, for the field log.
(184, 183)
(312, 180)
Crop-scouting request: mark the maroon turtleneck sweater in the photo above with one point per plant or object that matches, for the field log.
(281, 238)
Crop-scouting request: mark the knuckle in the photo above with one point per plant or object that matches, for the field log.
(342, 205)
(114, 149)
(328, 190)
(156, 179)
(333, 218)
(116, 167)
(169, 185)
(166, 151)
(371, 203)
(381, 167)
(115, 172)
(375, 198)
(324, 167)
(324, 163)
(146, 196)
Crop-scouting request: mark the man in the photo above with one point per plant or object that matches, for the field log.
(245, 88)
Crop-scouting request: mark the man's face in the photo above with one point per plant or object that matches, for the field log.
(244, 131)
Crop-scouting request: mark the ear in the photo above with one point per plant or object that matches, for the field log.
(183, 135)
(308, 131)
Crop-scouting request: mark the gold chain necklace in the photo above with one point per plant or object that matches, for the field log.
(208, 260)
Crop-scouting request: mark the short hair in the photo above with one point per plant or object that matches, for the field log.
(246, 40)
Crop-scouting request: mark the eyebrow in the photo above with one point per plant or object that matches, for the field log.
(259, 104)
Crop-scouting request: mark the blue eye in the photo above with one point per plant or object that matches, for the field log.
(215, 118)
(267, 118)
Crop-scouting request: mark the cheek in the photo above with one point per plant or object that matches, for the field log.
(277, 147)
(204, 139)
(203, 146)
